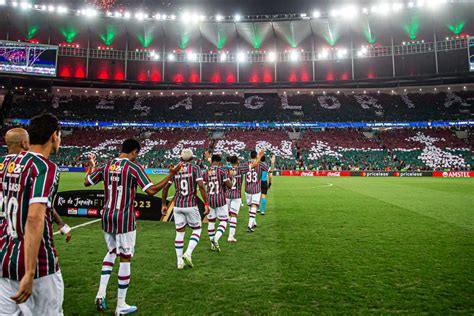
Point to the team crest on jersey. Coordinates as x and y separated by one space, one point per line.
115 169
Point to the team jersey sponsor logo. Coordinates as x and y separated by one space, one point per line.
2 165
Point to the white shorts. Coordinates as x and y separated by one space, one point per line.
187 216
253 198
234 206
222 213
122 244
46 299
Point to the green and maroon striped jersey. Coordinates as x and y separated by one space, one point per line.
185 182
121 177
253 178
236 173
29 178
215 177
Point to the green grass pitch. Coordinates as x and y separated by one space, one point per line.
326 246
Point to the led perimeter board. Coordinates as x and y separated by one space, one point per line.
28 59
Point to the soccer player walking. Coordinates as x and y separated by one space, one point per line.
186 211
31 282
217 180
121 176
253 188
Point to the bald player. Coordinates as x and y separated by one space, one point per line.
18 140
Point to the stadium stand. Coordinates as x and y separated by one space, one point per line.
270 107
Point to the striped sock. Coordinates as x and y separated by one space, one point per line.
179 245
107 266
123 282
211 228
193 241
221 229
252 213
233 226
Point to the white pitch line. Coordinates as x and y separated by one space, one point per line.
81 225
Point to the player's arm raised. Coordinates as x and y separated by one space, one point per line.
93 175
152 190
257 161
33 234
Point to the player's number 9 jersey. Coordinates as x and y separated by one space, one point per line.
185 182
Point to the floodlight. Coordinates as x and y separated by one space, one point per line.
350 12
118 14
241 57
237 18
294 55
316 14
127 15
219 18
272 56
223 57
171 57
140 16
192 56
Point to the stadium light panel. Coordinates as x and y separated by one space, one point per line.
127 15
192 56
202 18
294 55
272 57
118 14
25 5
365 10
90 12
341 53
140 16
172 17
223 57
14 4
323 54
421 3
396 7
411 4
219 18
171 57
350 12
241 57
334 13
237 18
62 10
185 17
107 14
51 8
157 16
3 2
195 18
316 14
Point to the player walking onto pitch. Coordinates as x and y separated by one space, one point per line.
253 188
121 176
186 212
216 179
31 282
18 140
234 194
